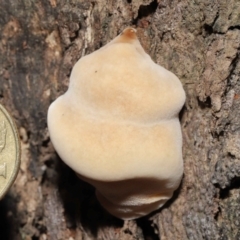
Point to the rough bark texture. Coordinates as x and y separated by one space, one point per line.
40 40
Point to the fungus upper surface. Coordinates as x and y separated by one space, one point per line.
119 118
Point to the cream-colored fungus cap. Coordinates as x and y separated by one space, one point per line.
117 127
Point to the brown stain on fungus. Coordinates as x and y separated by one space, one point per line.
128 35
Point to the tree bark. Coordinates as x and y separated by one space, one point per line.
198 40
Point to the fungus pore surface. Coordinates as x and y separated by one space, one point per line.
117 127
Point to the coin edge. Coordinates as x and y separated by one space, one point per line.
18 150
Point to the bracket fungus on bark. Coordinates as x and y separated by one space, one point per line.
117 127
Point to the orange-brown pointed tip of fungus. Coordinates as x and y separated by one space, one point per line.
128 34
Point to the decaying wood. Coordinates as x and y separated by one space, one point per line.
197 40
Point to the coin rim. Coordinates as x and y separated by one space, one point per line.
18 151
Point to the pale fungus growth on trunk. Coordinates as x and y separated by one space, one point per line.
117 127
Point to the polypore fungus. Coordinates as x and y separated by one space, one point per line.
117 127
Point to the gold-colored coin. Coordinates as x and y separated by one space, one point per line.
9 151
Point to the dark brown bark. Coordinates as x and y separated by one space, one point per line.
197 40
